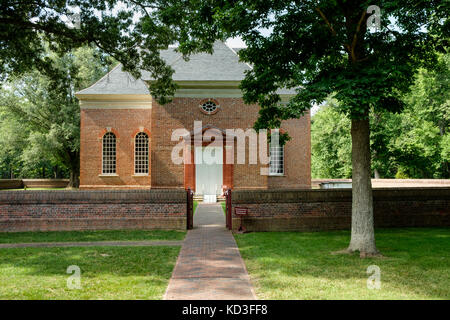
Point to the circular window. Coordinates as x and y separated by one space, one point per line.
209 107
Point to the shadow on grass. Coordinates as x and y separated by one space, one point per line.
295 265
106 272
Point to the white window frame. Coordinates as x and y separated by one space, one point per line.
109 133
148 155
281 160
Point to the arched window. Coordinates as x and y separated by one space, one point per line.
276 153
109 153
141 153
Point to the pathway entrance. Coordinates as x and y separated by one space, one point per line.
209 266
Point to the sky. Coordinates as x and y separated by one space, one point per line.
235 43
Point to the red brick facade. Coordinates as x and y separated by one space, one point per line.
160 121
125 124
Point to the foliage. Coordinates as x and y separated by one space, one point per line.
330 143
13 136
411 144
49 112
129 31
324 47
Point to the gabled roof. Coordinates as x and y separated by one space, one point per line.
221 66
116 82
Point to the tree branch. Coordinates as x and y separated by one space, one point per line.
327 21
355 36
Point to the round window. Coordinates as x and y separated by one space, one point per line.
209 107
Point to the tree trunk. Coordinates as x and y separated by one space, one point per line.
74 181
363 234
376 173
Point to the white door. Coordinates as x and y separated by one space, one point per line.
208 172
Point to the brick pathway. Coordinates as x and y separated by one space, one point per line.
91 244
209 266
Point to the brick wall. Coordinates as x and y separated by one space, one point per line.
125 123
313 210
90 210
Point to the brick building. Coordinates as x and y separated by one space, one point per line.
128 140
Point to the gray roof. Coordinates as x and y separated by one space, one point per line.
222 65
117 82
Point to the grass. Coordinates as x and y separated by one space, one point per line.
195 205
106 235
224 207
106 272
223 204
290 265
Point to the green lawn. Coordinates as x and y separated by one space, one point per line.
107 235
195 206
106 272
224 207
291 265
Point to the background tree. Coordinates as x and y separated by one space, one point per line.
320 47
410 144
50 112
13 136
129 31
331 146
425 130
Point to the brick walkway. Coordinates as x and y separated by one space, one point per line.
91 244
209 266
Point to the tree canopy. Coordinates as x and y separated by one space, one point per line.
317 47
324 47
410 144
40 125
129 31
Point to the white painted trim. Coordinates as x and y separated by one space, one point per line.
116 102
141 130
115 97
208 84
113 107
208 93
122 186
108 129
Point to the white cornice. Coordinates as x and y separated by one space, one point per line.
115 101
114 97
